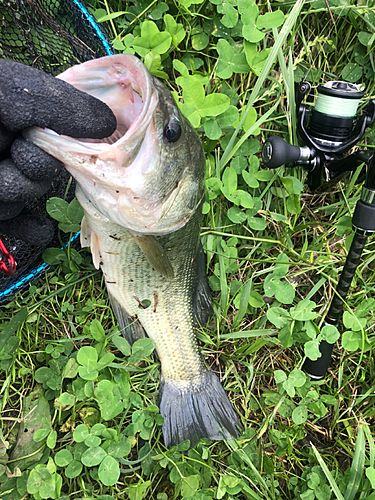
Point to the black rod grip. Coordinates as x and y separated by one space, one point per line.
317 369
352 261
276 152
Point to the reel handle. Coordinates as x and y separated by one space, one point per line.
276 152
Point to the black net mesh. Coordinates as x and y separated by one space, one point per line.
51 35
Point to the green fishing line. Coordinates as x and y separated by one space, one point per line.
336 106
337 98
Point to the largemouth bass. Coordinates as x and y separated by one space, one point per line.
141 191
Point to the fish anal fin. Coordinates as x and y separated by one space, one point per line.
155 254
131 328
200 410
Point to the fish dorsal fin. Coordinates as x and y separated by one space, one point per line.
202 299
155 255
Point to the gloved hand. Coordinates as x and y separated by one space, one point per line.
30 97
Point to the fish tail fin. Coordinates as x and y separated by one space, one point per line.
200 410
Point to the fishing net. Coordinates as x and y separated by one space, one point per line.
51 35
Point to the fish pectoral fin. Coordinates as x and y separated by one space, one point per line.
155 255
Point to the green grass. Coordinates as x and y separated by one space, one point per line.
274 253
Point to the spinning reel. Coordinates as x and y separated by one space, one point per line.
328 132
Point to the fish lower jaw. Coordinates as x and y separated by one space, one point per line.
107 210
142 223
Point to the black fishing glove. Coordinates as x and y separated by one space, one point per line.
30 97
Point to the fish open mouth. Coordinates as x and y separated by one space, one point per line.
124 84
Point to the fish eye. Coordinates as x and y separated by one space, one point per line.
172 131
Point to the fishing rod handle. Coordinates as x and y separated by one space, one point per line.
352 261
318 369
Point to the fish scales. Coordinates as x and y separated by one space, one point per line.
141 190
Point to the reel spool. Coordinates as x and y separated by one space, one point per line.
335 113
